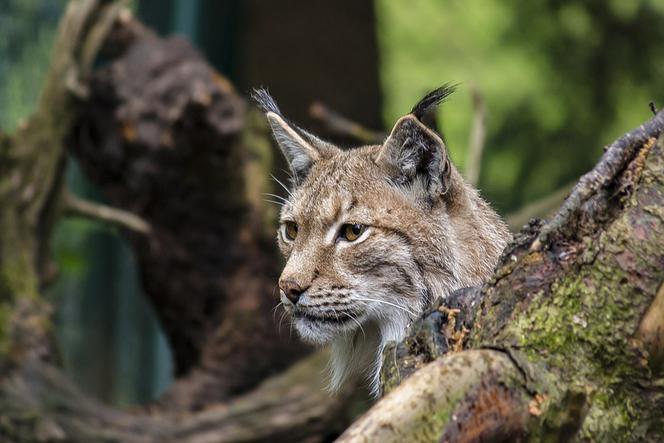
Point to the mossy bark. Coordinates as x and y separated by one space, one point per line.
577 306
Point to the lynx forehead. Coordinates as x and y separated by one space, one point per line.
372 235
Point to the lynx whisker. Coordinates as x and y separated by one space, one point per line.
287 172
278 197
281 319
359 325
403 308
291 324
282 185
274 310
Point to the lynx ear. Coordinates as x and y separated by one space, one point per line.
298 152
297 145
412 151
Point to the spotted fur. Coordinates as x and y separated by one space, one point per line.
428 233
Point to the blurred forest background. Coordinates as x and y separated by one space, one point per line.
559 79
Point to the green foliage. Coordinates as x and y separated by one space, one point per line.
560 78
27 28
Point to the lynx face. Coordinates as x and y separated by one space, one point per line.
373 234
350 254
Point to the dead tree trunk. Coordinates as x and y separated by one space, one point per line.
168 139
566 340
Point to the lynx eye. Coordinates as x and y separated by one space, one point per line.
289 229
352 232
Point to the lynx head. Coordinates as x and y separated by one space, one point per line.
372 234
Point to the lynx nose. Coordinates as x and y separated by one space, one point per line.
292 290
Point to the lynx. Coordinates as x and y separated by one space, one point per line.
372 235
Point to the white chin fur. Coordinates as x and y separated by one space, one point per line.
355 351
361 353
314 332
322 333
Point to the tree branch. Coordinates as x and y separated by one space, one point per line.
75 206
287 407
477 138
344 127
614 160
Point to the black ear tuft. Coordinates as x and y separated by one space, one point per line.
265 101
432 99
300 148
